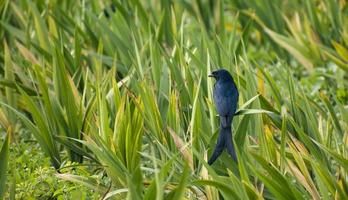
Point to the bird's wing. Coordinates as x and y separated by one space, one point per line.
225 101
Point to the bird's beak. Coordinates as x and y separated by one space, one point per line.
211 75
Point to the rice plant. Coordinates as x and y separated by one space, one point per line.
125 96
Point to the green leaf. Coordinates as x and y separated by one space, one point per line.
274 180
225 189
4 156
40 26
298 51
332 113
179 191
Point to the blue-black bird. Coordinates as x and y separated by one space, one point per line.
226 99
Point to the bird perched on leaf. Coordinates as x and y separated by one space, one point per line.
226 99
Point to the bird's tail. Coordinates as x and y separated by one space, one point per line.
229 143
224 141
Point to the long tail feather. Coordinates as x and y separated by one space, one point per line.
224 141
229 144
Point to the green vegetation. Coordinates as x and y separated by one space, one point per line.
98 108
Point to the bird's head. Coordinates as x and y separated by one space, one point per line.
221 75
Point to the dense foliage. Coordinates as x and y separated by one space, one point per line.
112 100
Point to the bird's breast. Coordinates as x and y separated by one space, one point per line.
225 98
225 89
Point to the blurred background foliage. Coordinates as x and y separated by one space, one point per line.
114 95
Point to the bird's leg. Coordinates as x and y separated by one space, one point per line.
218 149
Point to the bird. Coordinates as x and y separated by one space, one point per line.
225 94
